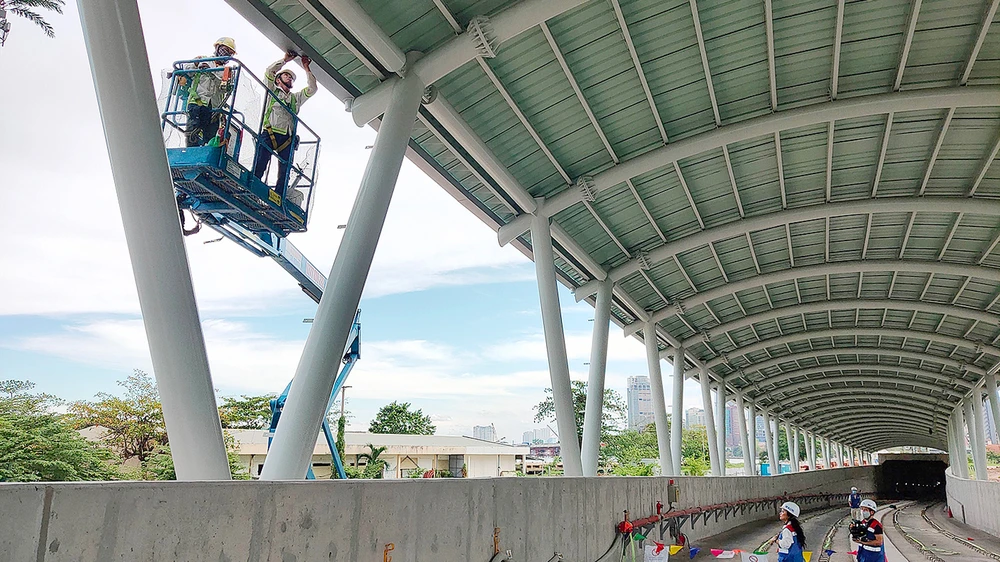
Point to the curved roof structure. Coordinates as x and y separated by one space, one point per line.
802 195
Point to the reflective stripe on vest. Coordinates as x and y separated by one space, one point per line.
292 104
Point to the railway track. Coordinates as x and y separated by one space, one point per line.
925 542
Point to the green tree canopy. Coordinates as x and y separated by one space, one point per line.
134 421
398 418
612 414
159 465
246 412
27 10
37 445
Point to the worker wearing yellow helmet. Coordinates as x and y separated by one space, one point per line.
207 92
277 134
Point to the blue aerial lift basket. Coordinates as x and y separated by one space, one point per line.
215 182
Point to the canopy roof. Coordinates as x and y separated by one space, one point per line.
803 195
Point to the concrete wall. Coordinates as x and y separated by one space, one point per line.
975 502
426 519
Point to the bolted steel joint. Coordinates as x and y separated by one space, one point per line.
430 94
644 262
484 40
586 186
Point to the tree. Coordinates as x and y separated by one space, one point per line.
36 445
246 412
26 9
133 422
159 465
397 418
374 466
612 414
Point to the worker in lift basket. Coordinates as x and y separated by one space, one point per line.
854 500
278 130
870 546
207 91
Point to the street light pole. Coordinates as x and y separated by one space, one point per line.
343 398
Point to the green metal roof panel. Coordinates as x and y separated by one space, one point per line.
736 43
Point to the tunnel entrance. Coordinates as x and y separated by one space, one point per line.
916 479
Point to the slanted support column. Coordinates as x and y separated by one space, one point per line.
953 456
979 453
775 431
656 395
795 449
555 340
789 439
117 51
970 428
720 425
710 427
850 456
811 449
826 452
751 442
677 406
295 437
595 382
741 421
769 439
960 463
994 399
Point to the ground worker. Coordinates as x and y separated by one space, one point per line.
854 500
277 133
791 540
870 546
206 92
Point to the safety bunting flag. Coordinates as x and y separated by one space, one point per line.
658 552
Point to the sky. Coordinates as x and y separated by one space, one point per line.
450 319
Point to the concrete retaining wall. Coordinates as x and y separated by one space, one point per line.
426 519
975 502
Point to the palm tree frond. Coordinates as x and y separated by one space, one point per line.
32 16
54 5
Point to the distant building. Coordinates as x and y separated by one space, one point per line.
732 426
403 454
542 435
640 402
485 432
760 429
693 417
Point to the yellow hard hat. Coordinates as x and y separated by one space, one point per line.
227 41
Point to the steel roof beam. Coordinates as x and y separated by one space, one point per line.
835 414
837 38
865 369
638 68
942 132
762 345
985 167
907 42
818 384
848 304
803 214
878 104
704 60
984 27
731 288
925 403
459 50
855 350
772 80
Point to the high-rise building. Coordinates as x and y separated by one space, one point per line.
732 425
640 402
693 417
761 436
542 435
485 432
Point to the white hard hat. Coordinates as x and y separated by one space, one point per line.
853 489
284 71
870 504
792 508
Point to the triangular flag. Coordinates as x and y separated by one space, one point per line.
807 556
694 551
723 553
638 537
829 551
658 547
675 548
853 552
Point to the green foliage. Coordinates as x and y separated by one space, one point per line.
159 465
25 9
416 473
134 422
246 412
633 470
375 466
630 447
992 459
36 445
612 414
397 418
340 442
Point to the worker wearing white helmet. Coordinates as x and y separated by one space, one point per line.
207 92
277 134
870 546
791 540
854 500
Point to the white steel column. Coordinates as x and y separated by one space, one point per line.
677 406
979 453
811 449
789 438
659 403
720 425
775 432
991 395
826 452
953 455
970 427
769 439
295 437
795 449
120 68
710 428
593 415
850 456
741 420
961 462
555 341
751 443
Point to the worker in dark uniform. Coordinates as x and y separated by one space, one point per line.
854 500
